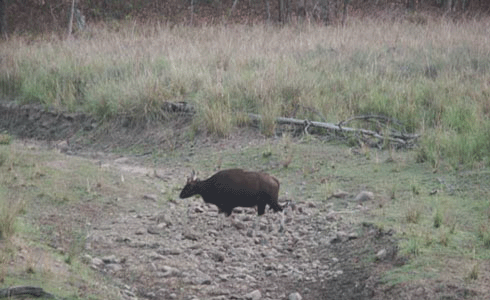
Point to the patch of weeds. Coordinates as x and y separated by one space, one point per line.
267 153
444 238
473 275
413 247
438 219
10 208
393 191
484 233
328 188
415 188
5 139
75 247
3 158
450 222
215 114
270 110
412 214
428 238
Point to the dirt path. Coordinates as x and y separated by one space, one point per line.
182 249
156 246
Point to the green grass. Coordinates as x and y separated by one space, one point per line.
432 77
43 198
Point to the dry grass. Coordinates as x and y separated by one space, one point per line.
432 77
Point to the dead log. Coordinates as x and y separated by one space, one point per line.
25 291
403 139
398 138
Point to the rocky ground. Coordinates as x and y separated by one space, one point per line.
183 249
156 246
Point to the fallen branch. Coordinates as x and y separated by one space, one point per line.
369 117
24 290
399 138
396 137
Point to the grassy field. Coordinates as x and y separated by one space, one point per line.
43 222
434 77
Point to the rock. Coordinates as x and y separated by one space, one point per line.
381 254
339 237
97 262
155 256
167 271
114 267
110 259
63 146
86 259
154 229
212 232
201 278
123 239
246 218
145 245
255 295
217 256
162 218
121 160
352 236
151 197
364 196
141 231
340 194
169 252
198 209
333 216
295 296
239 225
128 293
420 292
191 236
238 210
223 277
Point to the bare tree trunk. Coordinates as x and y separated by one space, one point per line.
3 18
301 9
70 22
288 10
268 10
411 5
192 12
281 11
233 7
344 13
325 10
449 4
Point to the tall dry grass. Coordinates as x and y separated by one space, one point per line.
434 77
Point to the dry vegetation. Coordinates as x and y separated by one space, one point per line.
432 77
